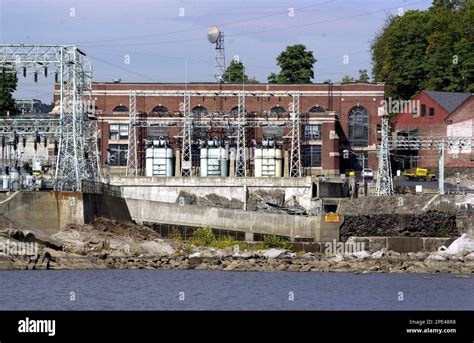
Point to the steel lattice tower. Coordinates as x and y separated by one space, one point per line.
241 158
186 157
74 75
132 160
384 186
295 158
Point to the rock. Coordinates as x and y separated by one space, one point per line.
157 248
436 256
305 268
374 269
378 254
273 253
469 257
462 246
361 255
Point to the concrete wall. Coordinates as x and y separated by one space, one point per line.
50 212
167 189
46 211
403 244
105 206
229 219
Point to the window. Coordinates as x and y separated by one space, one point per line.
316 109
359 127
423 110
277 110
199 110
118 154
431 111
120 108
160 109
312 132
118 131
311 155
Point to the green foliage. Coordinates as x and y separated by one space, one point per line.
363 76
296 64
175 235
203 236
272 241
432 49
347 79
235 73
8 82
224 242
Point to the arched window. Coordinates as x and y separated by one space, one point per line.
235 110
160 109
277 110
359 126
120 108
199 110
316 109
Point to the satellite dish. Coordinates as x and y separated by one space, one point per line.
213 34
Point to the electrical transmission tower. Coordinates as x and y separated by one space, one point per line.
295 158
132 160
76 159
186 157
241 158
384 185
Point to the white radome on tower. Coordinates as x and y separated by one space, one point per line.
213 34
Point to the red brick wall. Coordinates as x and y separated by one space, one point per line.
341 104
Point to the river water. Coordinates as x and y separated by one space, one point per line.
218 290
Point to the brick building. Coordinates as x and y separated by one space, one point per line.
437 114
333 117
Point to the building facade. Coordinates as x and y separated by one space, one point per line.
437 114
334 117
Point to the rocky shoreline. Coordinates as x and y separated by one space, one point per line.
112 245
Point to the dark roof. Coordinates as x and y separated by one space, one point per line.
448 100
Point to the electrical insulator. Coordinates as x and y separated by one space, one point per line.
3 142
45 142
38 139
55 148
36 146
56 77
24 142
24 71
36 77
45 71
86 155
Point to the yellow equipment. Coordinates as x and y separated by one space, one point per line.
419 174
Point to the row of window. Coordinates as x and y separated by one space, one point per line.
197 109
310 132
311 155
358 129
423 111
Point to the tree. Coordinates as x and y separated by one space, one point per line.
363 76
347 79
235 73
8 82
296 64
432 49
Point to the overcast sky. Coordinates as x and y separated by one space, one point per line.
156 37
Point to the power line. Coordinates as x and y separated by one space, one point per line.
202 27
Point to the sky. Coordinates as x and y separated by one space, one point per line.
166 41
